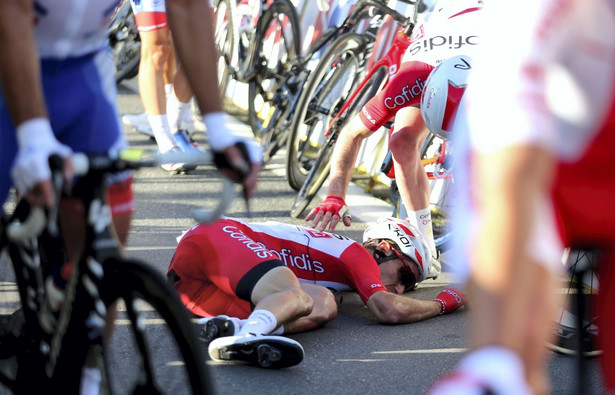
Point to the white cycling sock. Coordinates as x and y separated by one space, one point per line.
188 118
162 132
260 322
279 331
90 381
422 220
176 111
168 88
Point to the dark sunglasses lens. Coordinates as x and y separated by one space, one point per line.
408 279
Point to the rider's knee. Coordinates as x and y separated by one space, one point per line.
405 145
304 304
327 310
156 52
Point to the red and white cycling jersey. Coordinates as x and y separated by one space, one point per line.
210 260
450 29
550 84
558 80
558 75
85 33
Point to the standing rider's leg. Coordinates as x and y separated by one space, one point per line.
406 142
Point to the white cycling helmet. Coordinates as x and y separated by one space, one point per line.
443 92
407 238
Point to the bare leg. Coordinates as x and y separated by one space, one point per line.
406 142
279 292
506 311
325 310
155 52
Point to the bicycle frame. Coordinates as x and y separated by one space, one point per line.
438 159
246 74
52 356
391 61
57 357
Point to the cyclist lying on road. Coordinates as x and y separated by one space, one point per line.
286 272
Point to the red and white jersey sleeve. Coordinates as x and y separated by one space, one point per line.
548 81
333 261
71 28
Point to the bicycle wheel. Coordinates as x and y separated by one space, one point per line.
326 91
125 43
438 159
225 38
315 178
581 267
153 333
329 91
276 46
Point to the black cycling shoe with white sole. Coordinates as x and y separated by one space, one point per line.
270 352
215 327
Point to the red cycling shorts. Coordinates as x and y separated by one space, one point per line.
403 90
215 268
150 15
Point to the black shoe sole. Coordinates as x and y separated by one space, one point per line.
215 328
268 354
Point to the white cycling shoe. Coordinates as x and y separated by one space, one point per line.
435 269
270 352
177 168
139 123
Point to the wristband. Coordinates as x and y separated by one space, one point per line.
442 306
219 135
35 131
450 300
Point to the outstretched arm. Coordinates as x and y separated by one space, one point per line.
390 308
333 209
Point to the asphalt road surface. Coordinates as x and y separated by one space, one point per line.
351 355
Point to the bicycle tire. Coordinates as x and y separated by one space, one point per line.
441 198
126 51
310 116
226 41
566 339
319 171
148 298
271 63
314 180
